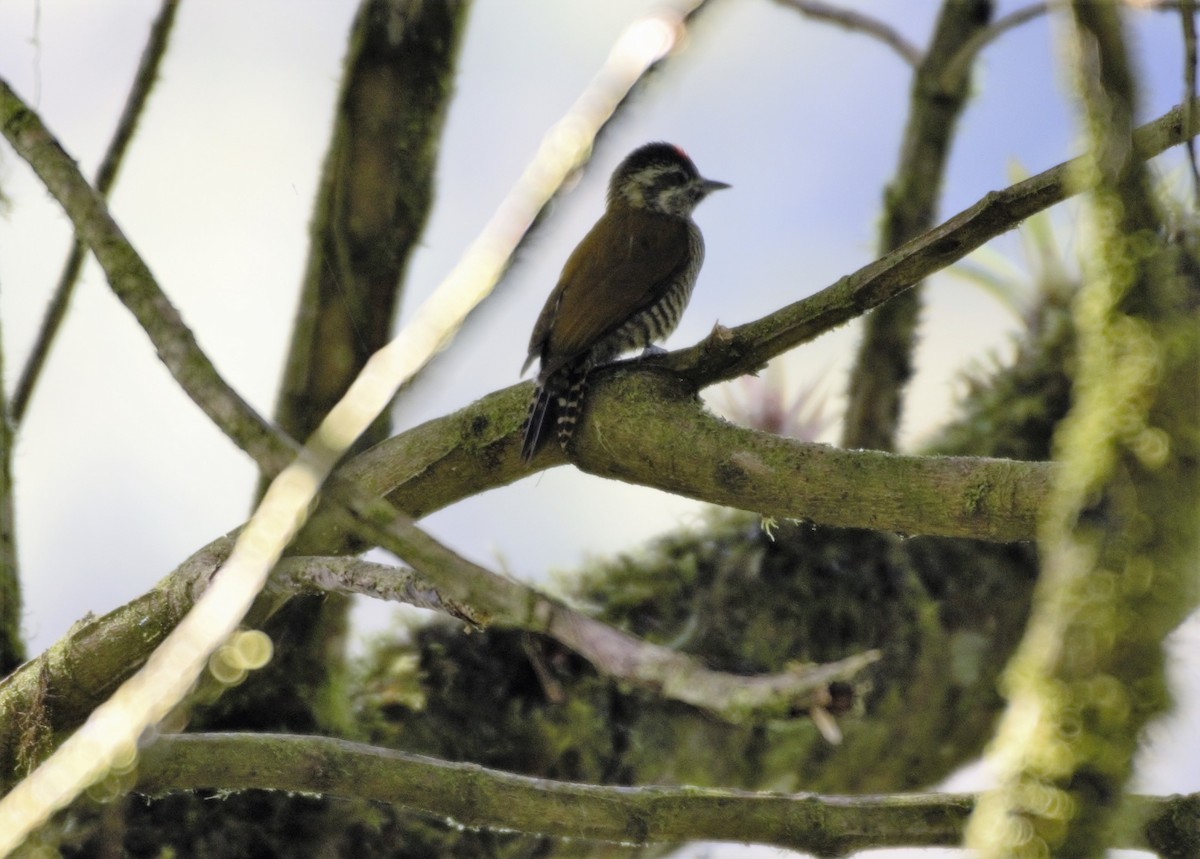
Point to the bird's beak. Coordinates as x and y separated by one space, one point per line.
711 185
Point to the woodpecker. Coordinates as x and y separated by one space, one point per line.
622 288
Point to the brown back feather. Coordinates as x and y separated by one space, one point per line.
599 290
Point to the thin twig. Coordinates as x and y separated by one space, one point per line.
859 23
1015 19
971 47
135 103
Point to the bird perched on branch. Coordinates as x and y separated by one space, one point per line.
623 287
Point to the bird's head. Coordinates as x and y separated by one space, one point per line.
660 177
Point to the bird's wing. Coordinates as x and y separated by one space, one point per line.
602 287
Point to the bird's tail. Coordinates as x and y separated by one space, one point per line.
555 403
541 408
568 404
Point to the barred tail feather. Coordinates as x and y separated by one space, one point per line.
555 403
536 420
569 401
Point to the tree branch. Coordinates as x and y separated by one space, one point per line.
351 576
98 654
643 426
473 593
1119 541
472 450
615 654
134 285
12 646
106 175
474 796
970 49
859 23
729 353
53 693
884 361
647 428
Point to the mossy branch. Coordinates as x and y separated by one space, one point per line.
12 647
647 428
98 654
475 796
1119 541
615 654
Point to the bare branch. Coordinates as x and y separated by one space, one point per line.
332 574
970 49
475 796
134 285
480 596
729 353
135 103
859 23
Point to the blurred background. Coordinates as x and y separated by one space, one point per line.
119 476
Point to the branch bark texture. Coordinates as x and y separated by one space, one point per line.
475 796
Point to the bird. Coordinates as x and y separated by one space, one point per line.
623 287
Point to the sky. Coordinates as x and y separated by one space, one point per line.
802 119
